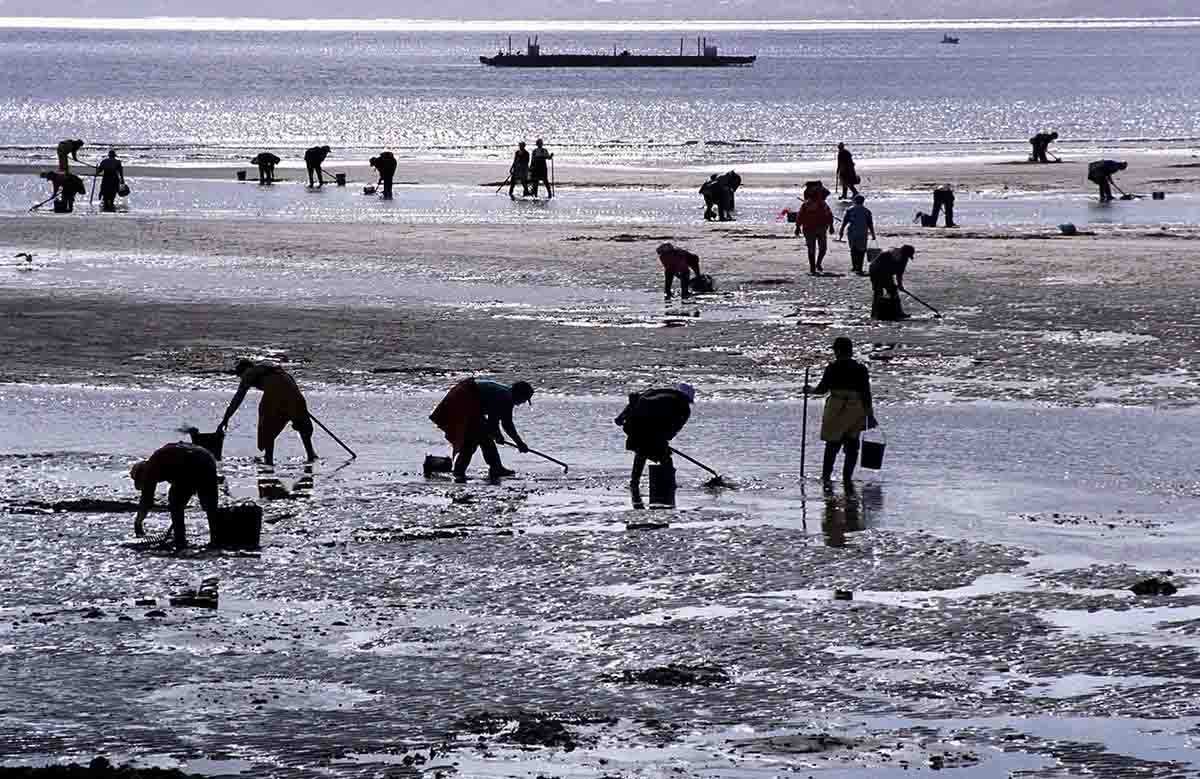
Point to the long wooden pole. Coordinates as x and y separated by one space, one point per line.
804 431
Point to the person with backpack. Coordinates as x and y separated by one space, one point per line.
815 221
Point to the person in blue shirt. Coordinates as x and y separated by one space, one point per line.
860 224
475 414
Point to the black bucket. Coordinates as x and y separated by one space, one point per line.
704 284
236 527
871 457
213 442
368 190
435 464
123 191
662 485
340 178
241 175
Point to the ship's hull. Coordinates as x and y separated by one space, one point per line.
610 61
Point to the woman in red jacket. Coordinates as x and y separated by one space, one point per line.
815 220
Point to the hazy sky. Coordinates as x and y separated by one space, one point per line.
607 9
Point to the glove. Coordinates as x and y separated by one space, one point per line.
522 448
872 422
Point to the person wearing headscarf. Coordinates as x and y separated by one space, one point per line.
282 403
848 409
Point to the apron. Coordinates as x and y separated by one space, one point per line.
845 416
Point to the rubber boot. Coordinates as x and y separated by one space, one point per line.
831 451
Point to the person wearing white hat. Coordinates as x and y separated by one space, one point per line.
650 420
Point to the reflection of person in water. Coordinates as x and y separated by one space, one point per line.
849 514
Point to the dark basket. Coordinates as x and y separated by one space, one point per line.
123 191
434 464
213 442
236 527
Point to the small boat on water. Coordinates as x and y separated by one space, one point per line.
706 56
948 38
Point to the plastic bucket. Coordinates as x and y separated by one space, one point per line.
213 442
435 464
662 485
236 527
241 175
340 178
871 456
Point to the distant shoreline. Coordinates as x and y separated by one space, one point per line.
255 24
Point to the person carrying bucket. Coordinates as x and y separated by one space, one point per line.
190 470
472 415
282 402
112 179
650 420
848 410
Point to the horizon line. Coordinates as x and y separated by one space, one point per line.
363 24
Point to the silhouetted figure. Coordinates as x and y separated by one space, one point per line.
842 516
1101 174
266 162
857 225
518 172
650 420
848 410
847 176
677 262
887 279
67 187
815 221
385 163
1041 144
68 150
472 415
190 470
943 197
282 403
719 193
539 169
112 180
314 158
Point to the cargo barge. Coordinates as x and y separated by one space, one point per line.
706 56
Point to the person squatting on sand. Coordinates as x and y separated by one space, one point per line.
314 158
472 415
266 162
887 279
677 262
650 420
1101 174
282 402
943 197
518 172
858 223
846 175
190 470
848 409
112 180
815 220
385 163
539 170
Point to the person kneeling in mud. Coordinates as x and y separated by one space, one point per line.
472 415
282 402
650 420
887 281
848 410
677 262
190 470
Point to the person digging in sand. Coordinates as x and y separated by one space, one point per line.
848 410
314 158
191 471
887 281
472 415
650 420
1101 174
282 402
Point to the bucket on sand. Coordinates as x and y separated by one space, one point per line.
1158 195
662 485
340 178
368 190
236 527
434 464
872 451
703 284
241 175
213 442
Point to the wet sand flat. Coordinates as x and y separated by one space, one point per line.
1039 464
